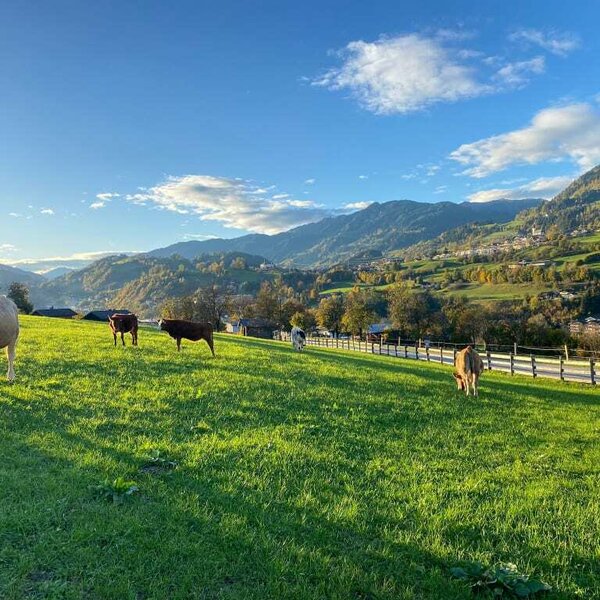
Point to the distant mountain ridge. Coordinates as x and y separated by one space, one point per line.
574 210
379 227
9 275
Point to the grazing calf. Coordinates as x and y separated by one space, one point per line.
9 332
123 324
188 330
468 368
298 338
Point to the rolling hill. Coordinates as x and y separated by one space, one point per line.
9 275
378 228
142 282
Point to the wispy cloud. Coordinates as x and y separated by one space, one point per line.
7 247
556 42
310 181
403 74
353 206
519 73
199 236
543 187
569 132
363 177
236 203
47 211
413 71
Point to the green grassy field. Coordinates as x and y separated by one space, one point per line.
318 475
499 291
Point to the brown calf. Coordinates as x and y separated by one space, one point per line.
123 324
468 368
188 330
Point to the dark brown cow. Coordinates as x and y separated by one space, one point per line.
188 330
468 367
124 324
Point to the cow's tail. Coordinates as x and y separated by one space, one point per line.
470 361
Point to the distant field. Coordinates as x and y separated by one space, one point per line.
343 287
305 476
500 291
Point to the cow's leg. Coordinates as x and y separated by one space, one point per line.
122 338
115 338
11 352
178 344
467 384
133 338
475 382
211 345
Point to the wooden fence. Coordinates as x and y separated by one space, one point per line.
579 370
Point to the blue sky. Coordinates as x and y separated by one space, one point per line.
129 126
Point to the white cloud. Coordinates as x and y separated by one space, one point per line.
82 256
47 211
559 43
234 202
7 249
199 236
97 205
310 181
403 74
77 260
352 206
15 215
280 196
440 189
544 187
518 73
363 177
569 132
107 195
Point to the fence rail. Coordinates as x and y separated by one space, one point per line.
581 371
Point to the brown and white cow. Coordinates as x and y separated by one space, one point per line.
467 369
120 323
188 330
9 332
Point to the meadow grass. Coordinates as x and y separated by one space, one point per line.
326 474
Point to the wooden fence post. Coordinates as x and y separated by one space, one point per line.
405 351
427 354
454 357
592 372
441 355
489 360
533 367
512 363
561 368
416 352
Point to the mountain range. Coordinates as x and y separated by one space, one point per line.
380 228
391 228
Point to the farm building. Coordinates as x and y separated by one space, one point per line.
587 326
58 313
381 332
260 328
103 315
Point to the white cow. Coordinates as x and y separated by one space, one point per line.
9 332
298 338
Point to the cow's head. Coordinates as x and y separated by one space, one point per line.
160 324
459 381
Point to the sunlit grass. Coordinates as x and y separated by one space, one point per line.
317 475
